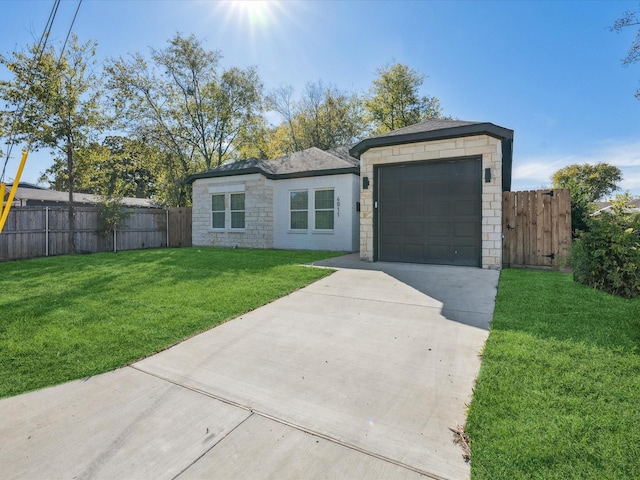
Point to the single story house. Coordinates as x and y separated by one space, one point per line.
29 195
306 200
427 193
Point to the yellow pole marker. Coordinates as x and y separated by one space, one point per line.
2 189
12 194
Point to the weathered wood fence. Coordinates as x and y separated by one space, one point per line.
43 231
536 227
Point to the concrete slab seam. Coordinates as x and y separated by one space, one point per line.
372 300
196 390
211 448
349 446
289 424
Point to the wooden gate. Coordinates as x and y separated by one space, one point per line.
179 227
536 227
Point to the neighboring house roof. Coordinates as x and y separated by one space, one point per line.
633 206
440 130
307 163
30 194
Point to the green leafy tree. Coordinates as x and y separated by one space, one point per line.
112 213
118 166
394 100
54 101
630 19
588 184
186 105
324 117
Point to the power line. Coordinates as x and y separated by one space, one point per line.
40 48
64 45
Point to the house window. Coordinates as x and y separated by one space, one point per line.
237 210
324 209
217 211
299 206
228 211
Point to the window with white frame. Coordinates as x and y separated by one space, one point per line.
299 208
217 211
324 209
227 210
237 210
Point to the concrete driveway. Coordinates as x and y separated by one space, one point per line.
358 375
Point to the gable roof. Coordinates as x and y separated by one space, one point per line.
307 163
442 129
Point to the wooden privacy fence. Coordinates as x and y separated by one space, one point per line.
43 231
179 227
536 227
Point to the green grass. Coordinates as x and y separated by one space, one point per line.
63 318
558 394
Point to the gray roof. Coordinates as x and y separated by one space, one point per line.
343 153
32 194
307 163
632 206
427 126
442 129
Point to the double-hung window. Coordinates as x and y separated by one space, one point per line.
299 207
237 210
323 209
228 211
217 211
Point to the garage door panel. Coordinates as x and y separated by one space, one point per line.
439 229
413 210
414 229
465 207
437 189
414 251
460 254
411 190
437 253
430 212
438 208
465 230
393 192
393 211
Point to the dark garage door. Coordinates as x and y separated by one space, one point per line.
431 212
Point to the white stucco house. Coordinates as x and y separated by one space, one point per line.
427 193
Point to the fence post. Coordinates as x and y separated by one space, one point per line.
167 210
46 235
115 239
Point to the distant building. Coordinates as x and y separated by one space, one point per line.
29 195
633 206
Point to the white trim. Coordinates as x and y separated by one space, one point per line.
299 230
227 188
315 210
227 211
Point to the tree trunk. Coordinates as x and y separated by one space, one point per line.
72 212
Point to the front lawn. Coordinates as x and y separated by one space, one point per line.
63 318
558 394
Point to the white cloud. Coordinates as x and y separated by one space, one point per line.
533 172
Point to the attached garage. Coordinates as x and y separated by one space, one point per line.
432 193
430 212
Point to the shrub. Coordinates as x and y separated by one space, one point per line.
112 213
607 255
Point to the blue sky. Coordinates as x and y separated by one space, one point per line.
549 70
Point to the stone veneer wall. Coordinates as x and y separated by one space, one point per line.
491 150
258 232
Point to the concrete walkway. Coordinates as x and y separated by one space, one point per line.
358 375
